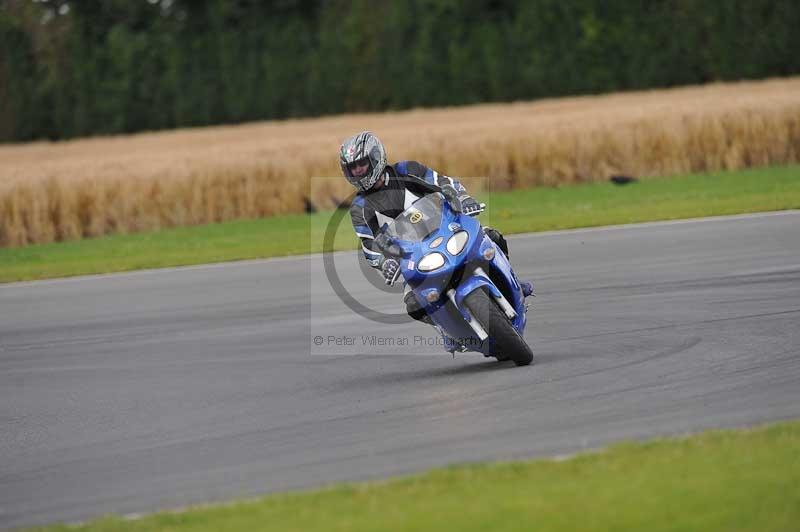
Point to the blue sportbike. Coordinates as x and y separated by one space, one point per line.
461 277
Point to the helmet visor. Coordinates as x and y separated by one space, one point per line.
360 167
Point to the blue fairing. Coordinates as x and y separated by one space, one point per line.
455 324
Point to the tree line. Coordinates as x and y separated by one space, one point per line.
73 68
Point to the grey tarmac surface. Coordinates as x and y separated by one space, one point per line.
150 390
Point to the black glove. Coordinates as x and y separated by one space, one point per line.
463 203
469 206
391 271
451 194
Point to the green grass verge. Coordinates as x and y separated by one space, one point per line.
716 481
537 209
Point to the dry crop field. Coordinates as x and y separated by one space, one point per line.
91 187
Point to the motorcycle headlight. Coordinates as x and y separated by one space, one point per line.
430 262
456 243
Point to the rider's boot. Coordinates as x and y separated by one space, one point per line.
417 312
451 345
527 288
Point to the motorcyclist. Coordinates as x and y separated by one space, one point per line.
385 191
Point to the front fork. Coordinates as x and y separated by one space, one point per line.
477 284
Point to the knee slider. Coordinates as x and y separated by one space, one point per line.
414 309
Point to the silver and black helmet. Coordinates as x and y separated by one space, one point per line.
364 149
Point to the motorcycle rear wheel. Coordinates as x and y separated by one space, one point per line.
507 344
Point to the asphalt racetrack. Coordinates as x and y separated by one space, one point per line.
136 392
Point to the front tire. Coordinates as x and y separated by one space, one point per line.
506 343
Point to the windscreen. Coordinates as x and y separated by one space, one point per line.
419 220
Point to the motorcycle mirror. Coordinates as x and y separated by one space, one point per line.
394 250
389 246
383 241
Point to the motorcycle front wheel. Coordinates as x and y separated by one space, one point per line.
505 342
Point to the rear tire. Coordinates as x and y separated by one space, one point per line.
507 342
